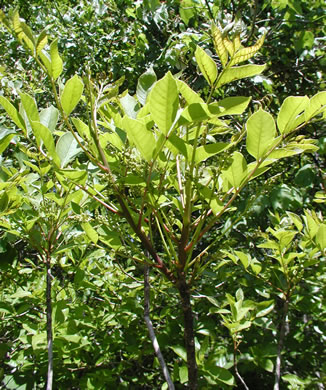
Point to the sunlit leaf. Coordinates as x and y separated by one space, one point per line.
71 94
219 45
164 102
289 116
56 61
239 72
261 131
247 52
206 65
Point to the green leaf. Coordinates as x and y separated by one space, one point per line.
43 133
90 232
67 148
239 72
189 95
5 141
45 58
294 380
49 117
145 84
220 374
71 94
183 374
181 352
138 134
39 341
230 106
74 175
130 105
195 112
164 103
296 220
41 42
261 131
71 338
82 128
206 65
30 107
177 145
187 10
264 308
238 171
56 61
110 238
244 258
317 105
206 151
288 117
13 113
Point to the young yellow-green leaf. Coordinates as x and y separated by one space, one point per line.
164 102
24 33
316 105
321 236
41 132
229 45
138 134
56 61
41 42
239 72
289 116
261 131
206 65
219 45
30 107
247 52
13 113
71 94
189 95
238 170
90 232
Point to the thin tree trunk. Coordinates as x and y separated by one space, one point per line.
189 334
49 323
280 346
151 331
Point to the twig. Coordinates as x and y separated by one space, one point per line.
209 10
150 328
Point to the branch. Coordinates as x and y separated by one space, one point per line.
280 345
151 331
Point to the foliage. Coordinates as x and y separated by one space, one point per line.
174 177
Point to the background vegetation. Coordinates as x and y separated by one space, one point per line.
246 298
